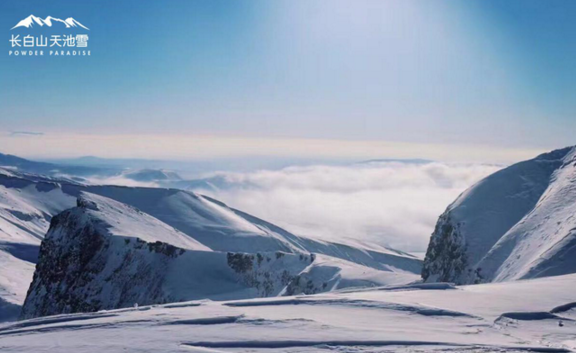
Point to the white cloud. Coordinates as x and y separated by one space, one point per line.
395 204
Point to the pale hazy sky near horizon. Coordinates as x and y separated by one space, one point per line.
193 147
480 80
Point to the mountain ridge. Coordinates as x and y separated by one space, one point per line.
477 236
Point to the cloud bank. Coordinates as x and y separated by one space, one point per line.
389 203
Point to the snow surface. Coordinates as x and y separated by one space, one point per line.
543 243
124 220
15 275
26 207
531 315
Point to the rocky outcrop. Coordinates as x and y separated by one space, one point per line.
75 271
446 257
262 271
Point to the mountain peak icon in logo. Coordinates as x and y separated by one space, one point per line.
33 21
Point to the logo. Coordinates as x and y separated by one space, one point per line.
58 37
32 21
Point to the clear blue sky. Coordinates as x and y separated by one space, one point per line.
497 73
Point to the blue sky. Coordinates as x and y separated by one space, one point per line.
473 73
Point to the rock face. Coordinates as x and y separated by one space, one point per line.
517 223
446 258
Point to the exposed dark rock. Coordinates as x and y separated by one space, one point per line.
241 263
446 257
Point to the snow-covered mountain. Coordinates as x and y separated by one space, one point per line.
28 202
103 254
517 223
34 21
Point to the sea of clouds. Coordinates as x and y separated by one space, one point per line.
392 204
388 203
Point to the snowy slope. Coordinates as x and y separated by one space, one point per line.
26 207
327 273
15 276
124 220
544 242
514 224
103 255
515 316
222 228
208 221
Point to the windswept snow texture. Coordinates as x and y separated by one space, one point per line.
517 223
103 254
521 316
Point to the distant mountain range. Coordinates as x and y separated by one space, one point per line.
52 169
